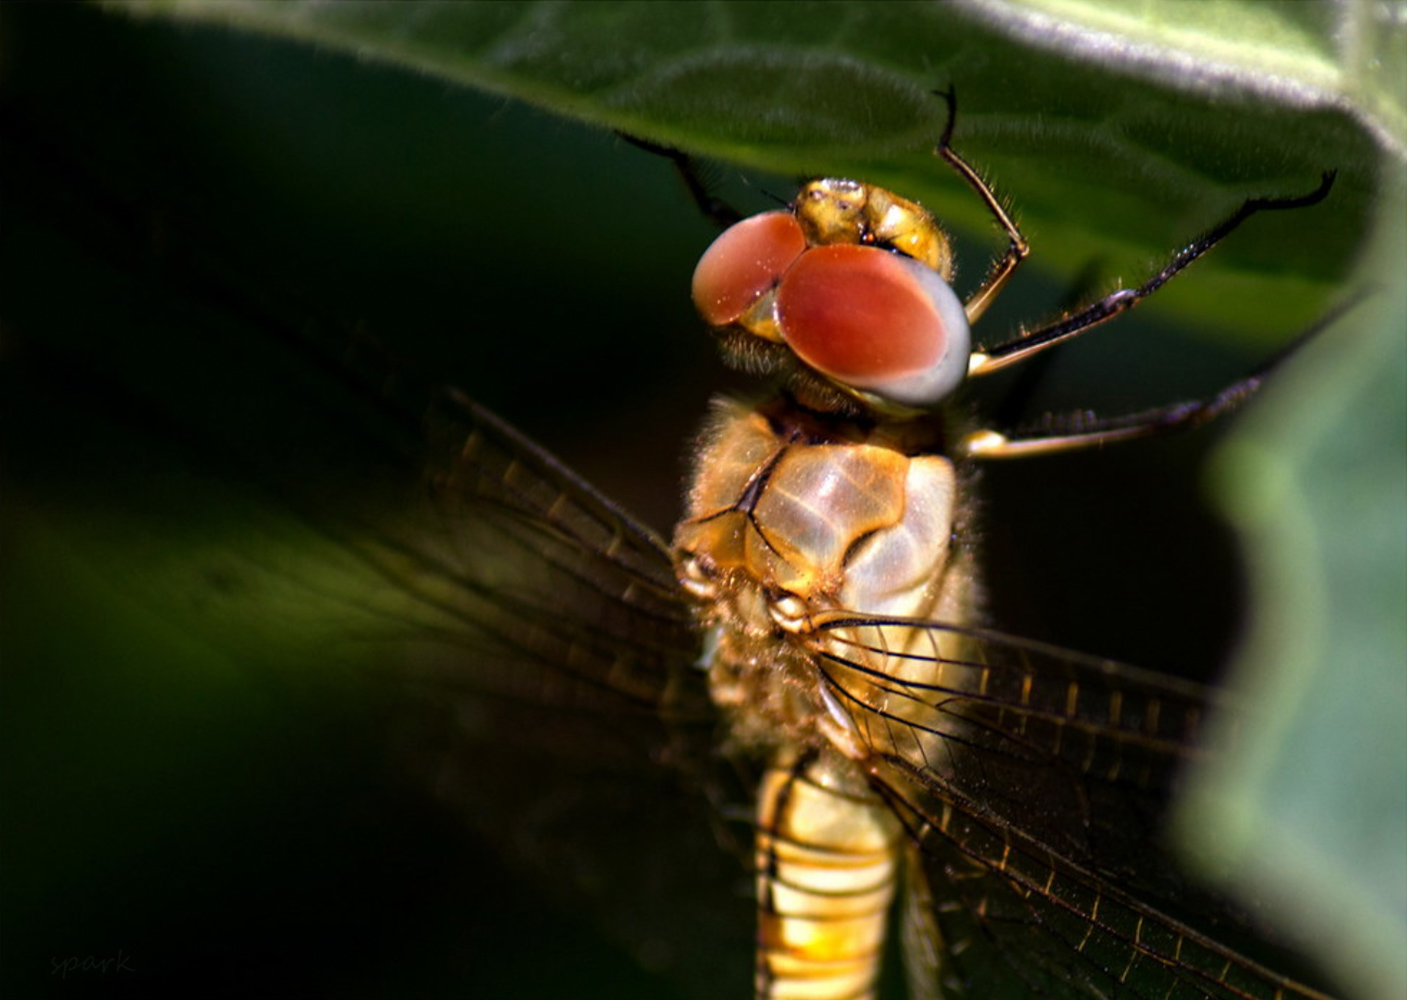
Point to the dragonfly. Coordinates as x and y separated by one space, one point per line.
1005 796
808 646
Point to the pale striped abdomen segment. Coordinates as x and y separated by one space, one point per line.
827 862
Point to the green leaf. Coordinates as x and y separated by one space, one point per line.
1156 110
1310 814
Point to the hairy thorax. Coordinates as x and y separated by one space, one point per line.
796 521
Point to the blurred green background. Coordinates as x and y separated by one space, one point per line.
190 779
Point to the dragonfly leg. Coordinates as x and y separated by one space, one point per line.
1083 429
1030 342
689 170
1017 248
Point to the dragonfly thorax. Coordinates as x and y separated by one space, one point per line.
795 520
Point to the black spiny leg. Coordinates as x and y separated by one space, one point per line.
1030 342
722 213
1087 430
1017 248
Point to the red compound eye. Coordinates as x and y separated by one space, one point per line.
876 321
744 263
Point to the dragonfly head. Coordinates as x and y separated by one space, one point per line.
848 286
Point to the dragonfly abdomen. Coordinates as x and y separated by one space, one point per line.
827 861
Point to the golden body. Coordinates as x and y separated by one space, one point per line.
795 518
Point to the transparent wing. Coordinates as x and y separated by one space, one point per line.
290 494
1032 782
517 556
560 706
